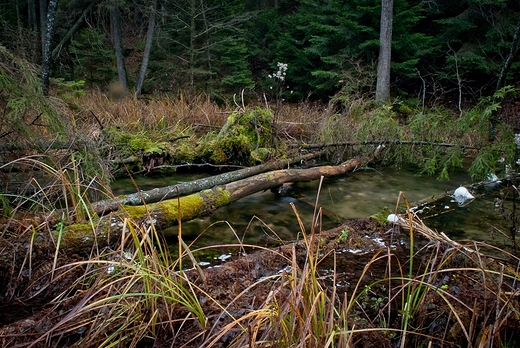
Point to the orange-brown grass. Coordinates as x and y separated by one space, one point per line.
133 114
295 122
442 293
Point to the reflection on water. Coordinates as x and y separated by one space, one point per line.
264 217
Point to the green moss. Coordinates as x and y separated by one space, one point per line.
257 126
190 206
232 148
142 142
218 155
78 233
218 196
382 215
185 152
262 154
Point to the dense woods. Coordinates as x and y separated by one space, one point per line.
441 50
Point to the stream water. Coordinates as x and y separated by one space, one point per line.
265 218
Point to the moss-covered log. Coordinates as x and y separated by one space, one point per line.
182 189
83 239
167 212
80 237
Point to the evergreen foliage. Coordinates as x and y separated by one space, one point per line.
92 60
446 50
444 53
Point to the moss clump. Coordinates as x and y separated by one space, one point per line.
257 127
142 142
184 152
76 234
262 154
241 134
218 196
168 210
233 148
191 206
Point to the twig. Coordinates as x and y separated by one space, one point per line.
33 123
97 119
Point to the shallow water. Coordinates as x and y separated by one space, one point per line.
265 218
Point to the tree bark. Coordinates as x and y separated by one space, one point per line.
31 15
510 57
147 49
43 21
49 33
118 46
192 41
385 52
73 30
169 212
158 194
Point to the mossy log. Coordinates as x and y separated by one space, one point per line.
82 239
168 212
183 189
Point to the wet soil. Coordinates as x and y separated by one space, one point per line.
28 311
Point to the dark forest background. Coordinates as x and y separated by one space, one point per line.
445 52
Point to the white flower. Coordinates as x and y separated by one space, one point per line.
282 68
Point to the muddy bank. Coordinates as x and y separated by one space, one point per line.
460 294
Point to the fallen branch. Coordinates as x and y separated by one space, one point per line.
182 189
381 142
80 238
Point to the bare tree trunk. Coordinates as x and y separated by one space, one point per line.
33 28
118 46
385 52
43 21
31 15
203 9
192 41
73 30
510 57
147 49
46 59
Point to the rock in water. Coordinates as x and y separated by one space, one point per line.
462 195
392 218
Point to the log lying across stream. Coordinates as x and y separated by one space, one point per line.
80 237
183 189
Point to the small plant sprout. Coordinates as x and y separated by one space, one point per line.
344 235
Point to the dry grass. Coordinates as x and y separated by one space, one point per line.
132 293
440 294
298 122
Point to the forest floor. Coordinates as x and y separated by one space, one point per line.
363 266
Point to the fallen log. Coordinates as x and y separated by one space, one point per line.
183 189
80 238
380 142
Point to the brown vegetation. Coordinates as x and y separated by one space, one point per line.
340 288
